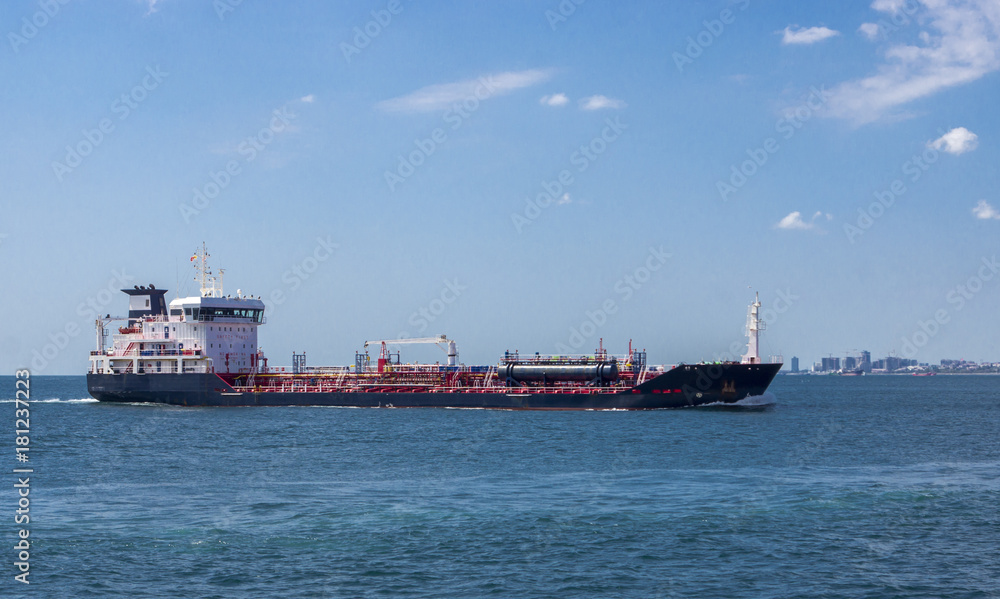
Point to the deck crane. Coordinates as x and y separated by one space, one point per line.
442 341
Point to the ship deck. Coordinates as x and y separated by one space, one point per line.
402 380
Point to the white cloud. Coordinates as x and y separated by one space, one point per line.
152 6
443 95
565 199
984 211
555 100
957 141
804 35
308 99
960 45
794 221
869 30
599 102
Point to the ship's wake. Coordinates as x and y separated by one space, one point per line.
55 400
751 402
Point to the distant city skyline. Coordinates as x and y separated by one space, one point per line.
862 362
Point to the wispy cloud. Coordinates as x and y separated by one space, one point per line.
802 35
600 102
957 141
565 199
554 100
441 96
308 99
960 45
985 211
869 30
151 4
794 221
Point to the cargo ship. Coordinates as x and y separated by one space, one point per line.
203 351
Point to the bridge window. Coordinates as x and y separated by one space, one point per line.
207 314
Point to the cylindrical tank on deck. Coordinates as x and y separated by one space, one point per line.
452 354
559 373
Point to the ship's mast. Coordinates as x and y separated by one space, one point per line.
204 275
100 334
754 326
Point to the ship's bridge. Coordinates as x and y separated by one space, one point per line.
217 309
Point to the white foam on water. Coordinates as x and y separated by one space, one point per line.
751 401
768 399
55 400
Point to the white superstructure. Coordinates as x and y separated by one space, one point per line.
207 333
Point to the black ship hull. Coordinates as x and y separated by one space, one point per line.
682 386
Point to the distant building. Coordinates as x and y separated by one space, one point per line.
955 363
866 361
850 363
795 364
830 364
893 363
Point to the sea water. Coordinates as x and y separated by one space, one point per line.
879 486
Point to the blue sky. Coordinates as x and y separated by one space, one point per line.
518 175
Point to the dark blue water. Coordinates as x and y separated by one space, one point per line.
847 487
